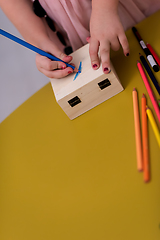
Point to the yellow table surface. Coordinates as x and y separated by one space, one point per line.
74 180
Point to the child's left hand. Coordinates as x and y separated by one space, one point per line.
106 31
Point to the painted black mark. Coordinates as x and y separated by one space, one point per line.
74 101
103 84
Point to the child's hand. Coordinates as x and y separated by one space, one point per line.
106 31
53 69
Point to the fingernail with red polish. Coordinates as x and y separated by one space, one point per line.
106 69
94 65
69 72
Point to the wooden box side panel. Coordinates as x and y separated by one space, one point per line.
90 96
83 79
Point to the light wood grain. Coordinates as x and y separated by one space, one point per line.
85 87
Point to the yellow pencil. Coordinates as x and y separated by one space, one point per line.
137 130
154 125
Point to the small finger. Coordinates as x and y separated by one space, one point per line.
59 73
125 45
105 56
88 39
46 63
115 45
93 51
54 50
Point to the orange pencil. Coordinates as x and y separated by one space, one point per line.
145 141
137 130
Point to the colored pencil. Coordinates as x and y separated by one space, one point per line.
151 95
137 130
146 50
34 49
154 125
149 71
145 141
153 53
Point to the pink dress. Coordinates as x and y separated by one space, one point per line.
72 16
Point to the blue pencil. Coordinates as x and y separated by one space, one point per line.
33 48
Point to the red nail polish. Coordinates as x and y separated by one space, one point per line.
94 65
69 72
106 69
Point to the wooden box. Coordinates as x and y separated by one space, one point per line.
89 89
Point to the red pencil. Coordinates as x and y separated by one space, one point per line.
145 141
153 53
149 90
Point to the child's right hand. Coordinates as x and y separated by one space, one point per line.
35 31
53 69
